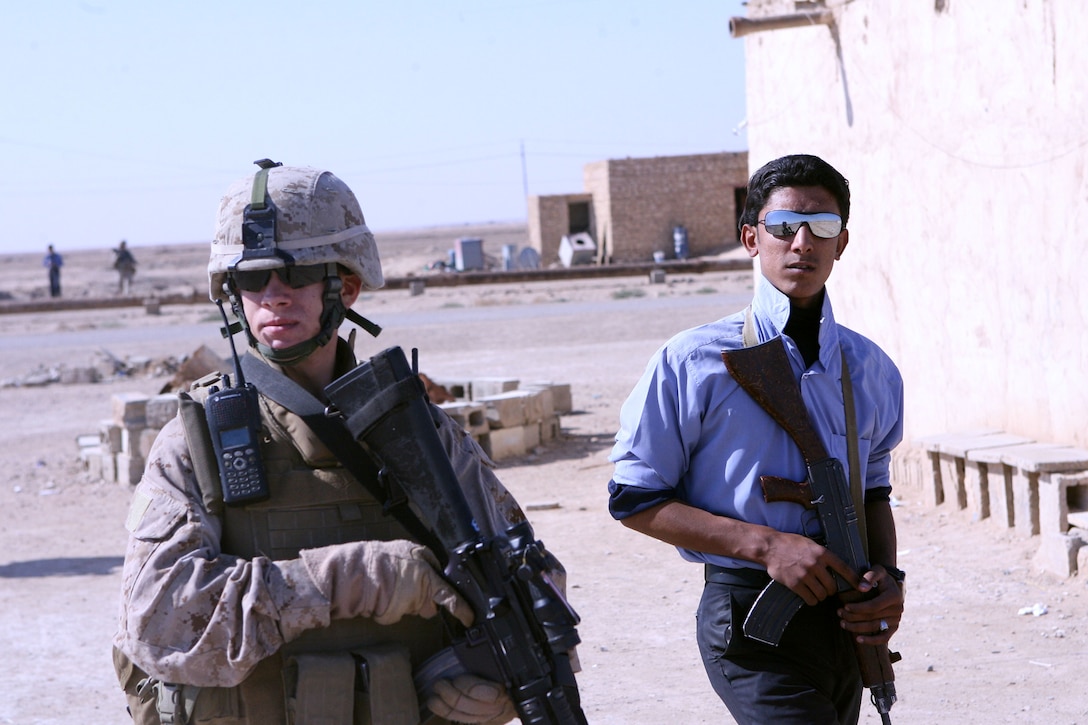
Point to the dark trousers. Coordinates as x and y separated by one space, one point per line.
54 282
810 678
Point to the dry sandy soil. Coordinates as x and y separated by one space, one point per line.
969 656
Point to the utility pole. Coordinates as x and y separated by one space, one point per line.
524 180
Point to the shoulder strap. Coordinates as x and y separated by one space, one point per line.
751 338
333 434
856 491
201 452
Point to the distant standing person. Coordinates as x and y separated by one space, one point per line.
53 262
125 264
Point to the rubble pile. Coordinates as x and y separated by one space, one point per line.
108 367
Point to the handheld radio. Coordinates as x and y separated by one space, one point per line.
234 422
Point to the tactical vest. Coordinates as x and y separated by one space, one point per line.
314 502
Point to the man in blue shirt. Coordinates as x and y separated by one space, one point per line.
53 262
692 446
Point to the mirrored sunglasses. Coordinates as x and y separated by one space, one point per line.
782 223
294 277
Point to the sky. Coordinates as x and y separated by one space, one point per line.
128 119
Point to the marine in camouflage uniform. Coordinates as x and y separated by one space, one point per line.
267 612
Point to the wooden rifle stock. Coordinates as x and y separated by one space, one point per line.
765 373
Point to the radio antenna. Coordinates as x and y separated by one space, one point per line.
233 350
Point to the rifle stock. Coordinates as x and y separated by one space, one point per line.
524 628
765 373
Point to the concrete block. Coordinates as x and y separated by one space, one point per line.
1062 494
93 462
130 440
130 409
507 443
484 440
1082 559
460 389
130 468
531 436
109 467
657 276
1058 553
110 435
470 416
535 404
87 452
486 387
545 400
561 399
505 410
88 441
416 287
161 409
549 429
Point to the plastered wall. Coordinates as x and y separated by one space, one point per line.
963 129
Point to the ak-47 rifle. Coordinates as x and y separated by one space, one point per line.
765 373
524 628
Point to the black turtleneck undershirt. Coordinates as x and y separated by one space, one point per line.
803 327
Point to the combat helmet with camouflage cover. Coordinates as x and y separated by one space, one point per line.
284 216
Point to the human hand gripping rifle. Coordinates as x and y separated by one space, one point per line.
523 628
765 373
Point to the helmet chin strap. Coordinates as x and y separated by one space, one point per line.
333 314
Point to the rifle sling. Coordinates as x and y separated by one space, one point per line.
336 437
751 338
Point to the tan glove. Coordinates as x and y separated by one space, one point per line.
383 580
469 699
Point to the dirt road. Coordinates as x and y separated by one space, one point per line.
969 656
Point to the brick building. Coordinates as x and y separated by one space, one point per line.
631 206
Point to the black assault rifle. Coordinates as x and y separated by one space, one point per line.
524 627
765 373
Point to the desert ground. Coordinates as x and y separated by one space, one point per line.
973 651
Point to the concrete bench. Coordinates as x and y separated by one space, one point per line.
1013 473
952 479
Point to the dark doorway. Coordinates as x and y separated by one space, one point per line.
578 213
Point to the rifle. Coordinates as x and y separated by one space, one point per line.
765 373
524 628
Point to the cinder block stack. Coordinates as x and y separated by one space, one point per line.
119 452
507 420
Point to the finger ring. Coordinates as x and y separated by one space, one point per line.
883 626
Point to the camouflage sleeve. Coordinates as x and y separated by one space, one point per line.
189 613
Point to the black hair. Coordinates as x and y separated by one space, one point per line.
794 170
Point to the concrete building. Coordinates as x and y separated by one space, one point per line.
961 129
631 206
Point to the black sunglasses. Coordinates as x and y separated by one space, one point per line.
294 277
